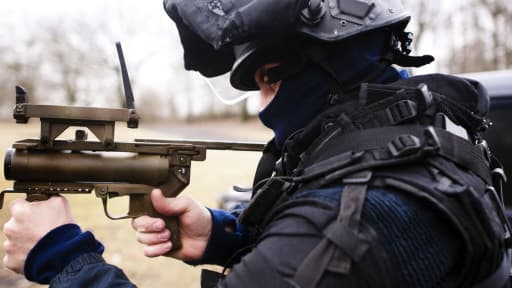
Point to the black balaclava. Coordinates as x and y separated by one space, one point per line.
302 96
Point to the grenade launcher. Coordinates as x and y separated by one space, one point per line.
47 166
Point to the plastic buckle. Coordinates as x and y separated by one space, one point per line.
498 178
432 143
484 147
401 111
404 145
427 96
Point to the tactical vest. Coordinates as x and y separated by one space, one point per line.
419 136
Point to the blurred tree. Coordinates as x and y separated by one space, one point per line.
500 13
479 32
244 111
18 69
426 17
4 85
84 62
67 57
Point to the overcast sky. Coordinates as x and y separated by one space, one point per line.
149 38
151 42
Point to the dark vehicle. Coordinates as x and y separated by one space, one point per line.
499 137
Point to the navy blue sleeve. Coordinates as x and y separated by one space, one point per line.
90 270
227 239
68 257
56 250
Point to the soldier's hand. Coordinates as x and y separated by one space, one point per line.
29 222
194 221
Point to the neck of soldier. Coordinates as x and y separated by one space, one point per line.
303 97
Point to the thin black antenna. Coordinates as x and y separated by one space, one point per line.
128 93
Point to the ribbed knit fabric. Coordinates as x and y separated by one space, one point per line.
420 241
419 238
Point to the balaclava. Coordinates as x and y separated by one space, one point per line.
302 96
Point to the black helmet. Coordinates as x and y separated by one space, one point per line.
321 20
249 29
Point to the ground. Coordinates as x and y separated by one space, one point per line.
217 174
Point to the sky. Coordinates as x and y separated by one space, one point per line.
30 11
149 38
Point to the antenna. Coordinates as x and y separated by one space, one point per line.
128 93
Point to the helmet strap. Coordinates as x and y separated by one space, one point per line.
318 55
401 48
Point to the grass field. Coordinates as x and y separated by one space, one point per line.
218 173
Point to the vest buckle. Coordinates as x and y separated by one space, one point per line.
404 145
401 111
433 144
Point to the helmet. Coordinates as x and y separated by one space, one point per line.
253 30
321 20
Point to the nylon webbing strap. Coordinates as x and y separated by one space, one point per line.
266 164
319 56
342 243
311 270
378 141
463 153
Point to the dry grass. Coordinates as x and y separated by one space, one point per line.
209 178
